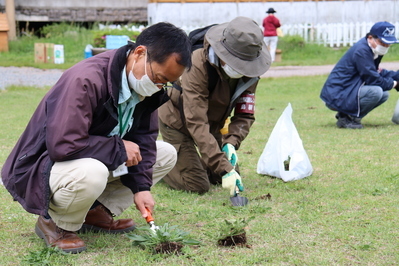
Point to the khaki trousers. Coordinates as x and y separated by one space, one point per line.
75 185
190 172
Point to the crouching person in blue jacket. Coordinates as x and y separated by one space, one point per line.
356 85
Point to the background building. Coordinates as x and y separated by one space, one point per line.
31 13
333 23
193 13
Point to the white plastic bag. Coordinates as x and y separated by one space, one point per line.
284 150
395 116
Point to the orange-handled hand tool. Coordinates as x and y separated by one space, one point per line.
150 220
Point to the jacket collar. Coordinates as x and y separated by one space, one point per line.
117 65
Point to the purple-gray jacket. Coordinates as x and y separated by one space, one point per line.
73 121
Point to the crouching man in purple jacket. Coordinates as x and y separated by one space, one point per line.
90 149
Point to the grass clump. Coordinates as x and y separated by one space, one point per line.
42 257
232 232
167 239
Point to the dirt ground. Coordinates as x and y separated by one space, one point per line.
28 76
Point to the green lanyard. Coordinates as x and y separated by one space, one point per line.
123 126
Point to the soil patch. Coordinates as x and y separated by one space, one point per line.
169 248
236 240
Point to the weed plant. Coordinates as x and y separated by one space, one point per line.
345 213
41 257
233 227
165 239
232 232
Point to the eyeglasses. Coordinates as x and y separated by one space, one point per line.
165 85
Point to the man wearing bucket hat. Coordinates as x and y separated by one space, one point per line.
356 85
232 59
270 25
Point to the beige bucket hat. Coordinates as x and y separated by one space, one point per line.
239 43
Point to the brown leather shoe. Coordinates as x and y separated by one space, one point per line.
100 219
56 237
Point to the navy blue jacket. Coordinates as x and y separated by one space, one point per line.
73 121
356 68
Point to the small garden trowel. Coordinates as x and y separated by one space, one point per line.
237 200
150 221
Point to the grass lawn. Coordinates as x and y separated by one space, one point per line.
346 213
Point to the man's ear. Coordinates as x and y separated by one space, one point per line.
136 54
139 51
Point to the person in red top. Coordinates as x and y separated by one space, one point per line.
270 25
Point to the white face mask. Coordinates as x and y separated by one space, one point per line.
144 87
379 49
231 72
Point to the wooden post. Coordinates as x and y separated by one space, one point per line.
10 11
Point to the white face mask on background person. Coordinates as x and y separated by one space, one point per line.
231 72
379 49
144 86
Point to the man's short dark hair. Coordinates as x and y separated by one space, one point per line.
372 35
162 40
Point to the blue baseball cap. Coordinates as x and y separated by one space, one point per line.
385 31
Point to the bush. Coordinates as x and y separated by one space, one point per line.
291 42
297 52
59 30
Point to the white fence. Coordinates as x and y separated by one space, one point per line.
332 34
327 34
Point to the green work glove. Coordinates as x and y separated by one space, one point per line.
231 180
230 153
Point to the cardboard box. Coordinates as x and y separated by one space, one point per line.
44 53
58 54
3 33
3 41
39 52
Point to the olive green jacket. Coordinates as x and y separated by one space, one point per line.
205 110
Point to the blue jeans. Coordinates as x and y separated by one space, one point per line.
371 97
